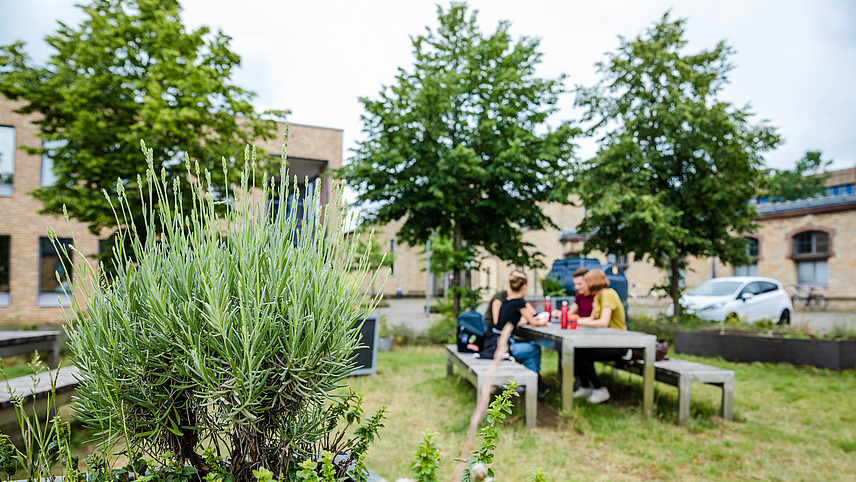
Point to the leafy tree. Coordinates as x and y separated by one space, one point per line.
806 180
676 166
130 71
459 144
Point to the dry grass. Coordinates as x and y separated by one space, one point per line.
790 424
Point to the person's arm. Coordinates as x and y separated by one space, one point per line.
603 321
575 308
495 305
527 316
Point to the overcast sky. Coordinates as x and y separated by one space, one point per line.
795 60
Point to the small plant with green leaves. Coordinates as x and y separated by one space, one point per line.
228 326
427 459
46 443
499 408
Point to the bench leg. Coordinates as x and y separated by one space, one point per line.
567 369
449 368
531 395
53 356
728 399
683 399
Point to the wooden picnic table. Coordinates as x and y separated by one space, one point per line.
24 342
566 341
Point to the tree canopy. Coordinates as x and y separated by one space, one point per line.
676 166
804 181
459 144
130 71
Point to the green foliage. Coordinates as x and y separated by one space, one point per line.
499 408
665 327
376 256
46 444
805 181
676 166
129 71
8 456
459 146
263 475
426 461
537 475
308 472
443 331
553 287
227 332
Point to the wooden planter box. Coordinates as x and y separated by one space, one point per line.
742 346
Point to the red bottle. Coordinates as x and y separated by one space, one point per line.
548 307
564 318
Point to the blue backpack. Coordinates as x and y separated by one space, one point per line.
471 331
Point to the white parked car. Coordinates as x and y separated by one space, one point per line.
746 298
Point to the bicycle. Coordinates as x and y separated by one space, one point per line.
809 298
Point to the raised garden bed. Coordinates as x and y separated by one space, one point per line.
748 346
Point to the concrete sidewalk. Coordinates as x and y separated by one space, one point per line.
409 312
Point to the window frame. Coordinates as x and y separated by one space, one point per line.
14 148
6 296
52 299
796 254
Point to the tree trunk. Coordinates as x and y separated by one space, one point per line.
457 247
674 285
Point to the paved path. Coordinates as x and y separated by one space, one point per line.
409 312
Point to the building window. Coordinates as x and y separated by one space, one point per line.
55 274
7 159
811 251
48 176
392 257
5 261
813 273
751 269
841 190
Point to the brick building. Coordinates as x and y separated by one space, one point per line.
803 242
29 290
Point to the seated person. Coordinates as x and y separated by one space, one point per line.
492 311
607 311
517 311
582 304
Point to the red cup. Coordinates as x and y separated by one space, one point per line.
573 319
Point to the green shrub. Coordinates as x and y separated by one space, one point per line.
227 333
664 327
553 287
442 331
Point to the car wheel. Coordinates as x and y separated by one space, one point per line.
732 318
785 319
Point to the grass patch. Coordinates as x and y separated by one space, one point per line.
790 423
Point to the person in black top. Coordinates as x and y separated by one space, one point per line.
492 311
517 311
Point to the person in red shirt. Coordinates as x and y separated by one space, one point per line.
582 302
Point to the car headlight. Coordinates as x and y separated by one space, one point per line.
714 306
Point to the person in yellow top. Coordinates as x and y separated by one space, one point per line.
607 311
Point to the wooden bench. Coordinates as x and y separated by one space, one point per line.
25 342
36 391
683 373
475 370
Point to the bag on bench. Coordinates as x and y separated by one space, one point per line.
471 332
660 352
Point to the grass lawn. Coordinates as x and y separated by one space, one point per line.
790 424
